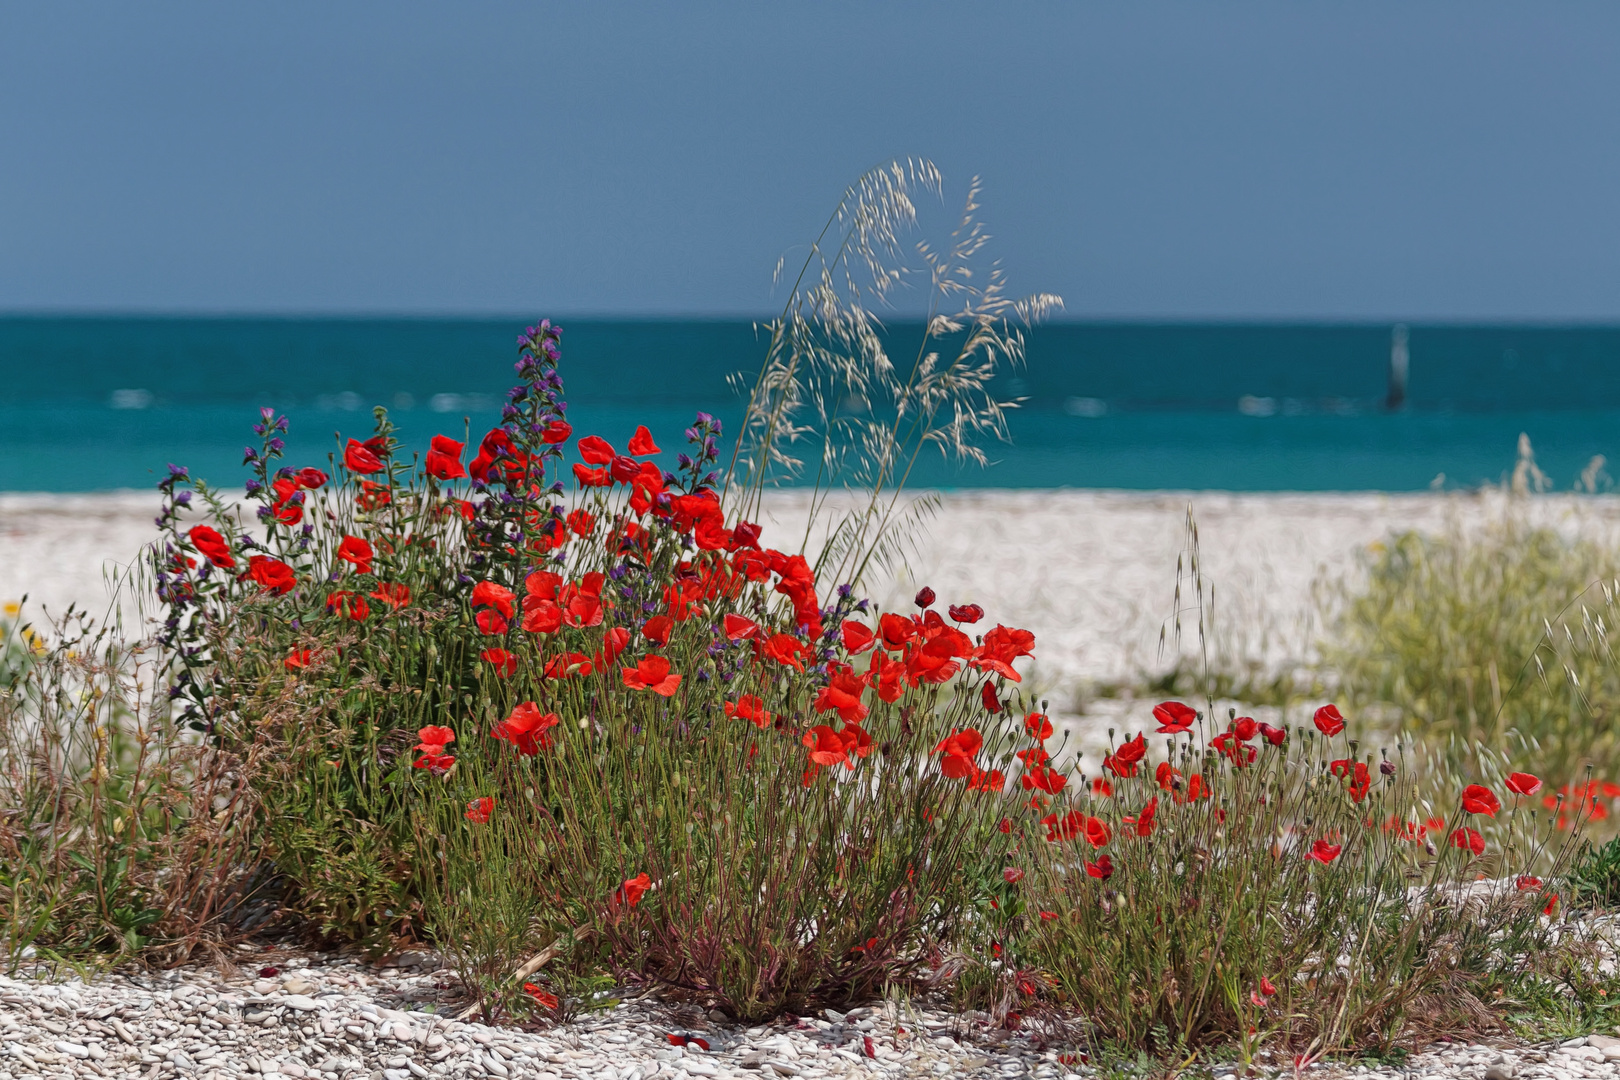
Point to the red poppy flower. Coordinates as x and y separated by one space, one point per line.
751 708
826 747
886 676
965 613
1328 720
374 496
1245 728
1065 828
298 659
556 431
494 445
589 477
1526 882
444 459
1123 761
1144 818
1523 783
505 663
785 649
935 660
349 605
490 622
988 780
924 597
525 728
433 741
581 522
896 630
1273 735
652 673
1324 852
1043 778
541 997
1097 833
1012 875
356 552
582 603
988 695
1101 786
273 575
858 637
857 741
738 628
647 493
213 546
361 457
1468 838
614 642
641 443
1102 870
1195 790
497 596
1174 717
1239 753
843 692
541 616
1167 777
567 665
288 507
631 892
657 628
1479 799
394 595
958 749
1360 780
311 478
595 450
1002 645
687 1040
478 810
1038 726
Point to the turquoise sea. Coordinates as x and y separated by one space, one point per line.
101 403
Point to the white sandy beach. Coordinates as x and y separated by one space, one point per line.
1092 573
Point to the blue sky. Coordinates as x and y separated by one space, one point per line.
1368 160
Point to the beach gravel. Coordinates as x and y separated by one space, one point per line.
364 1022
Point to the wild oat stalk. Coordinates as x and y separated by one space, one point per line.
828 380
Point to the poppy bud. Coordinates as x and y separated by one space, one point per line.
925 597
1387 767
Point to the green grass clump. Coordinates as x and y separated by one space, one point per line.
1496 637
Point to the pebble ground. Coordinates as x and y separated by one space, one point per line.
323 1017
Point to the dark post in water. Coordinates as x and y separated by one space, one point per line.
1397 369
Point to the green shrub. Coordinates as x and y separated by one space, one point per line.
642 692
118 835
1495 637
1280 886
